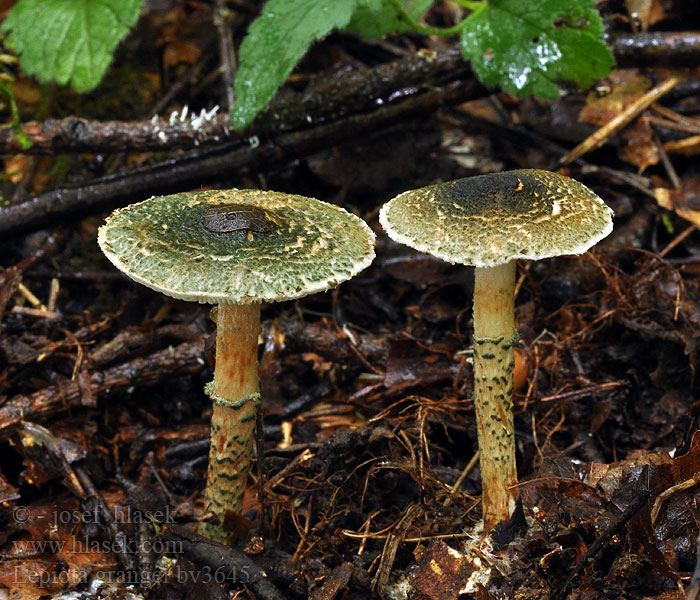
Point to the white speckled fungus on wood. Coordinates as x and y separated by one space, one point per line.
235 248
488 222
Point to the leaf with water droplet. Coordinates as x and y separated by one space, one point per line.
526 47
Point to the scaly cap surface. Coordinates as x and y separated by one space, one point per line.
236 246
492 219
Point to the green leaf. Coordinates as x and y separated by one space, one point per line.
377 18
275 42
69 41
525 47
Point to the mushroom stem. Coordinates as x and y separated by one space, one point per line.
235 393
494 339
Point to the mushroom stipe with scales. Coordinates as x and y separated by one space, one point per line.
235 249
490 221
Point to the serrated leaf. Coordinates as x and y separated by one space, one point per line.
525 47
275 43
69 41
377 18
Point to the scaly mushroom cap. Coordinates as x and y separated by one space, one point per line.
492 219
236 246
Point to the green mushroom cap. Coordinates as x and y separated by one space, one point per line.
236 246
492 219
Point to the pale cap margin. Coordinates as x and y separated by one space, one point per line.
492 219
317 246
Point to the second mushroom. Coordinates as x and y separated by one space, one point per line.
489 222
236 249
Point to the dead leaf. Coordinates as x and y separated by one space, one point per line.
49 553
647 12
639 147
444 573
410 363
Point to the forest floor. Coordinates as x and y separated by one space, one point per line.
369 485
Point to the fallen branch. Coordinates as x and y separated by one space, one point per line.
322 339
234 563
198 168
61 397
669 48
327 100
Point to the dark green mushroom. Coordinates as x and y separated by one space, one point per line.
489 222
235 249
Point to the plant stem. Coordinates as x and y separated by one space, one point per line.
15 121
234 392
427 30
227 54
473 5
494 339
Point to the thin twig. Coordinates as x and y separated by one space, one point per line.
675 489
666 162
677 240
586 391
618 523
462 476
600 136
226 51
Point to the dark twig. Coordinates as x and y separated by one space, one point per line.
197 168
132 340
56 399
118 534
234 563
226 52
357 91
694 588
618 523
188 449
670 48
324 101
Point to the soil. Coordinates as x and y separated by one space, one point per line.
366 482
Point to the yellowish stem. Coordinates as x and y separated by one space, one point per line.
494 339
235 393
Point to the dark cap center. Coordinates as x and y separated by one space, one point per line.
226 218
